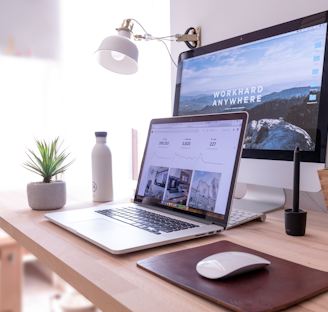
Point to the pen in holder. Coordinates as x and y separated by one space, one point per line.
295 219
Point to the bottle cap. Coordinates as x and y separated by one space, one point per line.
101 134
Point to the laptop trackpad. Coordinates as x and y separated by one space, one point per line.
94 225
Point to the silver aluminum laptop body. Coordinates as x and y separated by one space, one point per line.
185 187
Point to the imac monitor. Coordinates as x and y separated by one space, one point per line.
279 75
173 184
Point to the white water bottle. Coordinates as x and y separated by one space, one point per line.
102 181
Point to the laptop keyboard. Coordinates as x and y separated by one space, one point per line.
145 220
238 216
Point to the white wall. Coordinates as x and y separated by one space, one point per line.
30 107
96 99
30 28
222 19
74 96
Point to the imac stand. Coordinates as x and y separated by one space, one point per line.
266 181
261 199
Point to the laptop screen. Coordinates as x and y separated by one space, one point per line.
189 165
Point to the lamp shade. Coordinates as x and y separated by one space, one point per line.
118 54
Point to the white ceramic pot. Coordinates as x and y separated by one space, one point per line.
46 196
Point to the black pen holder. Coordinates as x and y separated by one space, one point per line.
295 222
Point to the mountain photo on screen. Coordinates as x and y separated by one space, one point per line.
276 80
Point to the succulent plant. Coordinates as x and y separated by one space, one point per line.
50 162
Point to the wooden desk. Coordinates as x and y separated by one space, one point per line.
114 283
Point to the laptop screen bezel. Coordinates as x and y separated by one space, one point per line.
206 215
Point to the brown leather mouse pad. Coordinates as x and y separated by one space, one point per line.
277 286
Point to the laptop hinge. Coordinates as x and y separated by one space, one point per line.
217 223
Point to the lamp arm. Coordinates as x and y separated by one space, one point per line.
147 35
186 37
132 19
168 52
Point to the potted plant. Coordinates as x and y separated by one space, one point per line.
47 194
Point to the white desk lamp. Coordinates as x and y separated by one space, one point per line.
119 53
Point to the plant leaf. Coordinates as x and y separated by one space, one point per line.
48 164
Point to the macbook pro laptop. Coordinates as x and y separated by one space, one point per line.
185 187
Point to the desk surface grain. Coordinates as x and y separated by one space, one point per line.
114 283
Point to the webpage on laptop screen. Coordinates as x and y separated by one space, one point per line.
276 80
190 165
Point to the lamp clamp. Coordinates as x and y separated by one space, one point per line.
194 37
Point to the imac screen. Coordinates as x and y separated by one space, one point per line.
277 80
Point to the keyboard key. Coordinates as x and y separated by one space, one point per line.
145 220
166 230
239 217
143 227
123 220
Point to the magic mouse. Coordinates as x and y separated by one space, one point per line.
228 264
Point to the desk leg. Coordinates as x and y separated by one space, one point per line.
11 278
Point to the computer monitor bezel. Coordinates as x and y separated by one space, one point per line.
317 156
